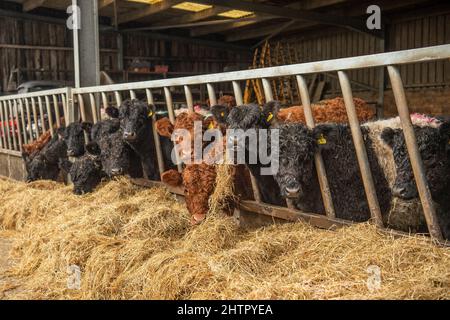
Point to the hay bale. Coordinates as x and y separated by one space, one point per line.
134 243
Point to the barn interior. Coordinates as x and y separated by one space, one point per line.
144 40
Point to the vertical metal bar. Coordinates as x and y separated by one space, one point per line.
132 94
49 115
56 108
83 115
269 97
189 99
17 124
30 129
118 98
360 148
211 95
76 45
41 113
414 154
11 123
381 83
35 117
104 101
320 167
238 96
159 154
22 119
237 93
93 107
4 143
8 131
169 103
72 113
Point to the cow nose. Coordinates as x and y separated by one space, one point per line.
116 171
129 135
292 192
70 153
404 192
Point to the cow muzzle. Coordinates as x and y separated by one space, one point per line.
405 192
292 192
70 153
129 136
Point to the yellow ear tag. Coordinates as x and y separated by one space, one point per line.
222 114
322 140
270 117
150 114
211 126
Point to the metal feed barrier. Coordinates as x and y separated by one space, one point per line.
73 99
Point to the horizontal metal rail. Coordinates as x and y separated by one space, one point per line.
367 61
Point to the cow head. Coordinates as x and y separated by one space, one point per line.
38 168
220 114
296 155
73 136
86 171
434 149
134 117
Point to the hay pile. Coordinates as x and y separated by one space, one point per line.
134 243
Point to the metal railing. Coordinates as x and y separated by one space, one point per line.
24 117
339 66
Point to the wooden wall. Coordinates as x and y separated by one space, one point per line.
44 51
402 34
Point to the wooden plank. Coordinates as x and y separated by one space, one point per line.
32 4
148 10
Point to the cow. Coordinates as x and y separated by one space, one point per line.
136 125
434 147
86 171
251 116
73 136
43 164
388 162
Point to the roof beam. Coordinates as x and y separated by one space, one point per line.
308 5
232 24
192 17
104 3
149 10
32 4
296 14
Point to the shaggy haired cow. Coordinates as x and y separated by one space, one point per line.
136 125
73 136
251 116
44 164
387 159
86 171
330 110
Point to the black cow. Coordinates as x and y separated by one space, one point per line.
73 135
247 117
116 155
44 164
297 176
434 147
135 121
86 171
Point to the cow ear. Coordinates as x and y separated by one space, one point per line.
164 127
270 110
86 126
324 135
112 112
151 110
93 149
388 135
